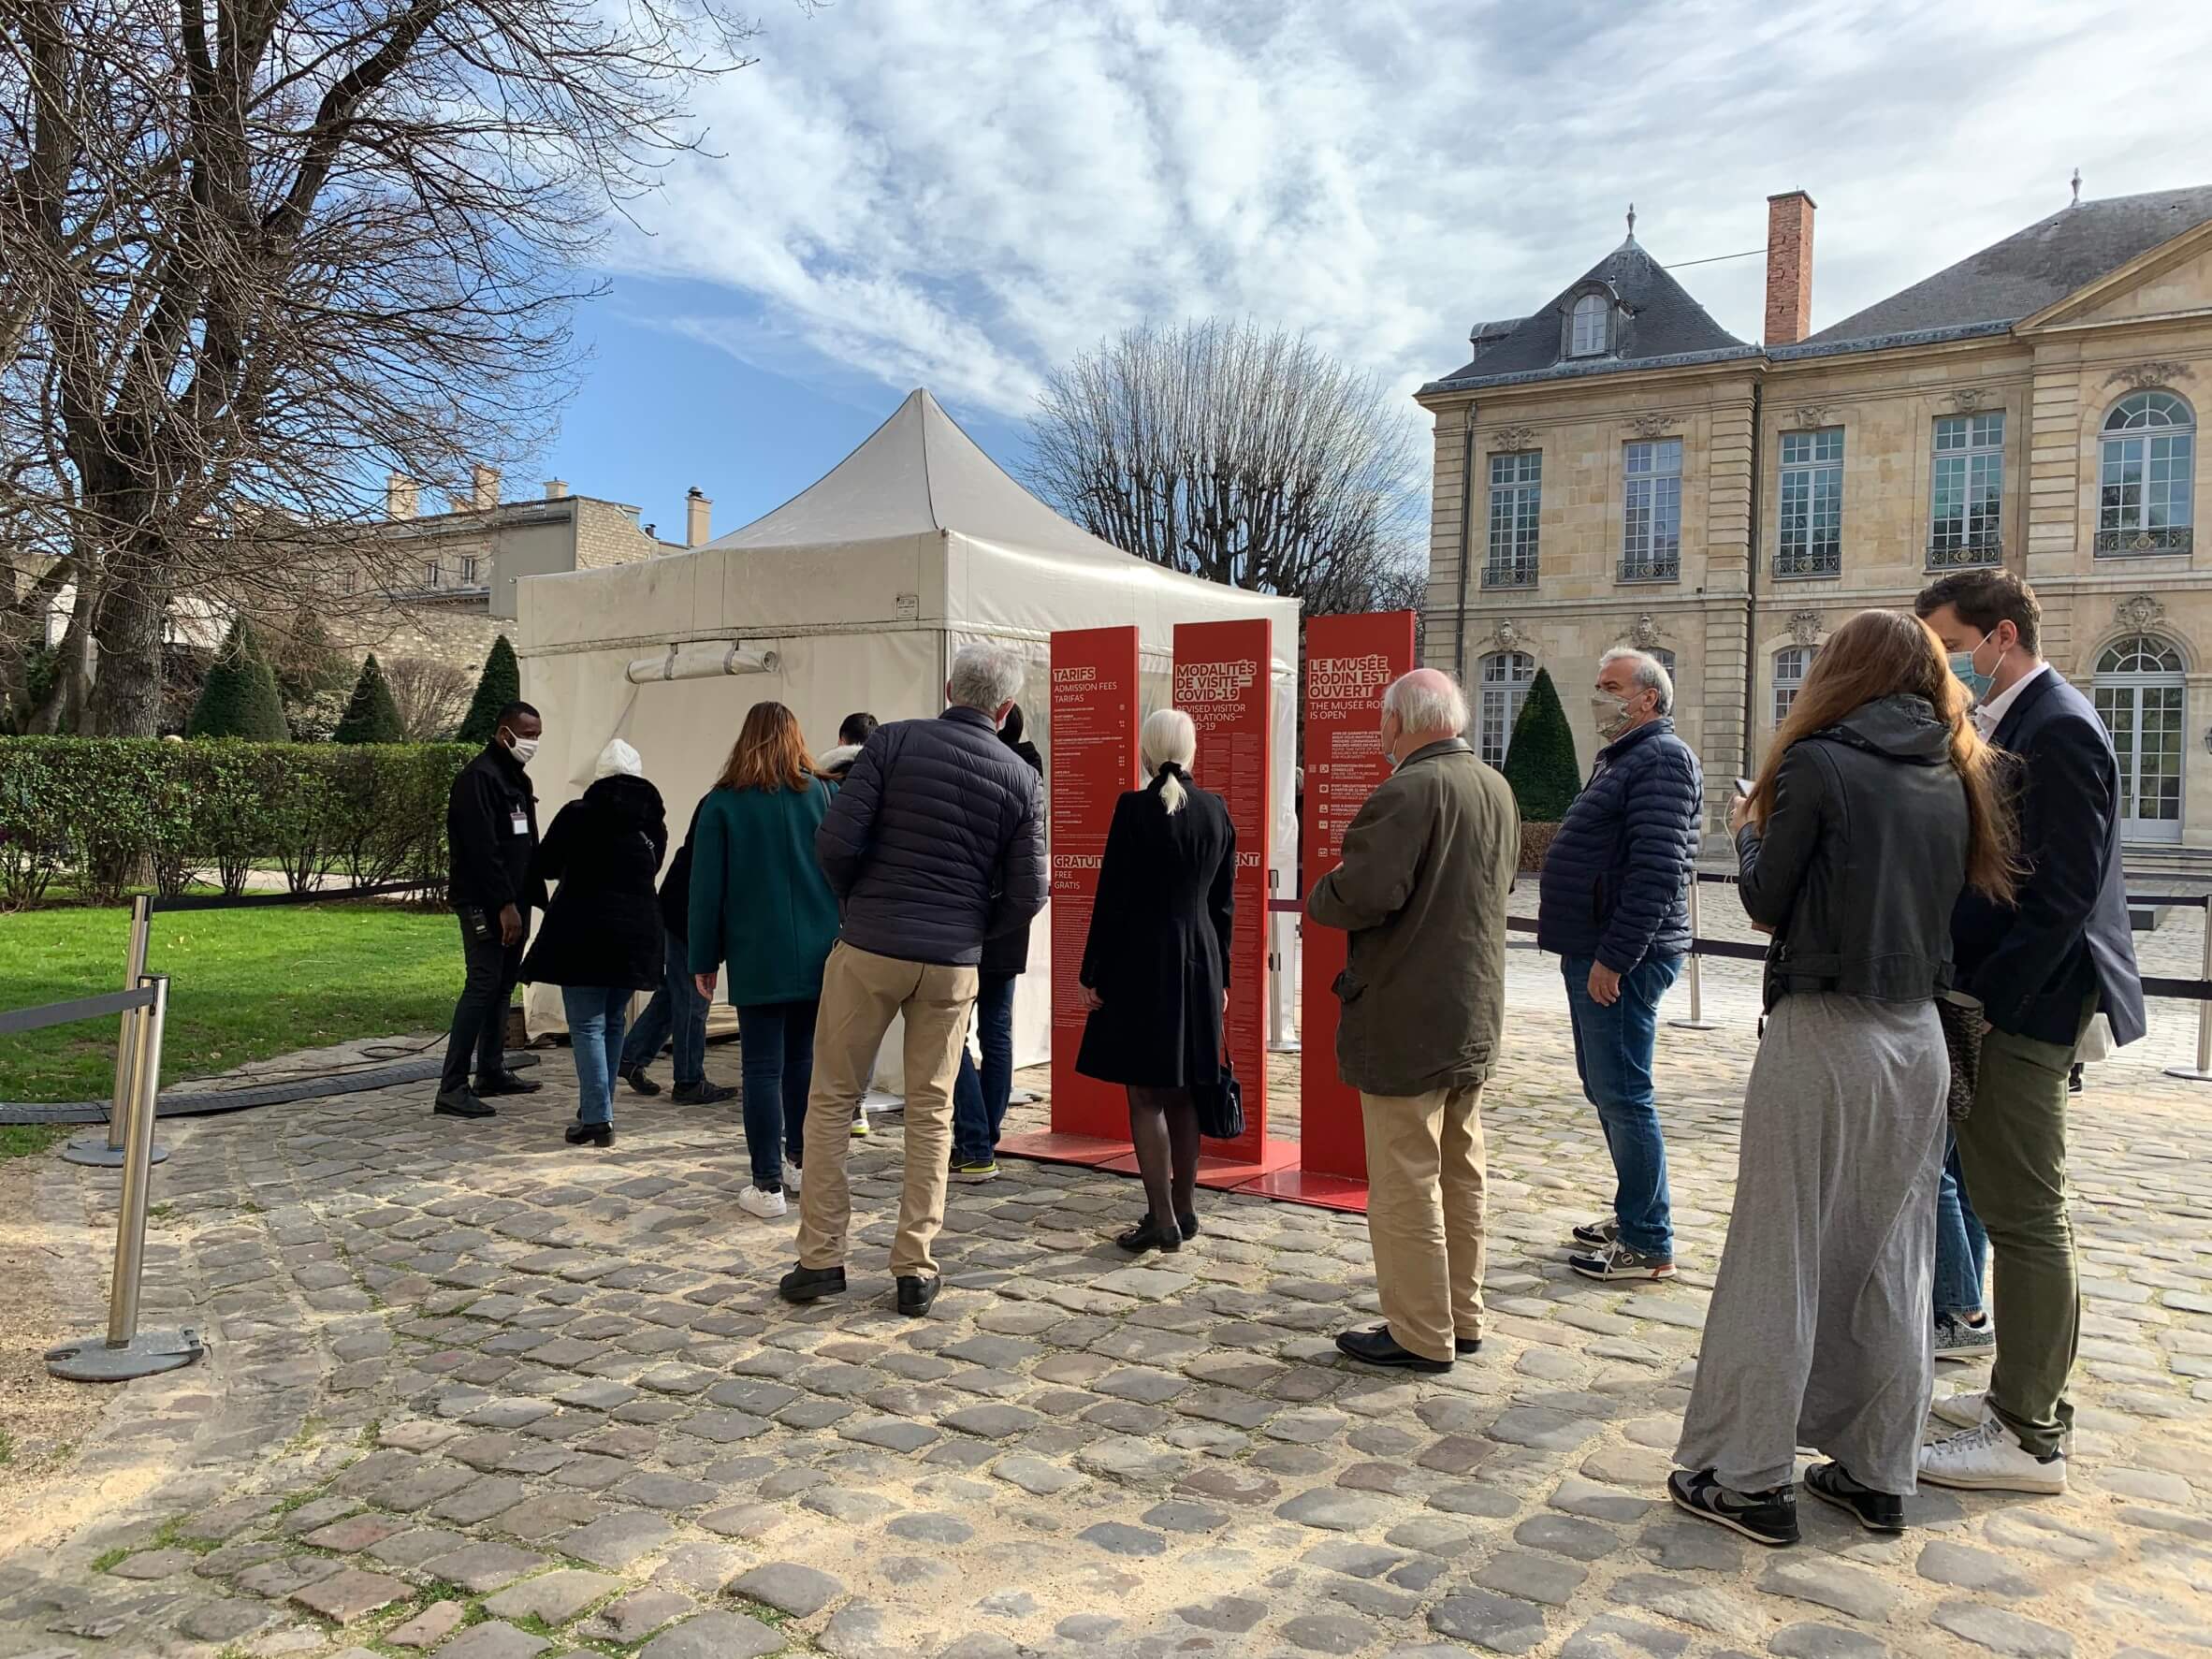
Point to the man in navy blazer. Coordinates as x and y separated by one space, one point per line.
2042 968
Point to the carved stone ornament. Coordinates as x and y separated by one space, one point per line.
1513 438
1812 415
1968 399
1653 425
1506 635
2141 613
1644 634
1805 626
2143 376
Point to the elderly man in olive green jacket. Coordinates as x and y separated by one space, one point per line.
1422 890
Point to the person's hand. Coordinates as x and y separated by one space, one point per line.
1225 1002
1605 985
1739 814
705 984
510 925
1092 1001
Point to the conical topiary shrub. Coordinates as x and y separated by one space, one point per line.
500 684
371 715
238 698
1540 759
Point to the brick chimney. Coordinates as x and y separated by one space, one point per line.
483 487
398 496
697 511
555 488
1789 267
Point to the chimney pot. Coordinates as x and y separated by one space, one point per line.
398 496
698 510
1789 267
483 487
555 488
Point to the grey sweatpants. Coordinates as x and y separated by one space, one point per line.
1818 1332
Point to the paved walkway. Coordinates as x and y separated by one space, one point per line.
478 1393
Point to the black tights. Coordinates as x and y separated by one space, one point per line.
1164 1125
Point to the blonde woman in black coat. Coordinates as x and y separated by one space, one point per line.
1155 969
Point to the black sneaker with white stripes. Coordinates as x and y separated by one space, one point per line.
1598 1234
1767 1517
1877 1511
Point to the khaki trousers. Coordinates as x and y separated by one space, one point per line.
1425 1175
861 993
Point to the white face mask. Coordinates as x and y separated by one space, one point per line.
522 749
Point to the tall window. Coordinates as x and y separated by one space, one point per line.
1812 504
1586 332
1966 520
1666 660
1516 503
468 571
1505 676
1651 513
2145 468
1790 664
2140 692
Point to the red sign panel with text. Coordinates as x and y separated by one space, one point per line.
1222 682
1350 660
1094 759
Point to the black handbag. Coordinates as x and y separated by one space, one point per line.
1221 1106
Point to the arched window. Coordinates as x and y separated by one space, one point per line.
2145 466
1505 676
2140 694
1790 664
1586 335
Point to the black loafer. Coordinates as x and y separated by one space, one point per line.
811 1284
1877 1511
1379 1348
916 1293
639 1083
1189 1226
589 1134
461 1104
1149 1235
507 1083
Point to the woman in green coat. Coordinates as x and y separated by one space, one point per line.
760 904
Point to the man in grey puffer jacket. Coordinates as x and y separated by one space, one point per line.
935 844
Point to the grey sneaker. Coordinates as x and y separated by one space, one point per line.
1618 1260
1955 1339
1596 1235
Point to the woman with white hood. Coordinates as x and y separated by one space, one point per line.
601 941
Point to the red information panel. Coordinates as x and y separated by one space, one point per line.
1350 660
1094 759
1222 682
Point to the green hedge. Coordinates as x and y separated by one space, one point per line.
101 814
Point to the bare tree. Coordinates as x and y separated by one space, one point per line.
256 255
432 696
1243 456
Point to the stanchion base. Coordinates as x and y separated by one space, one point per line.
1288 1045
1313 1189
95 1153
146 1354
1695 1025
2188 1074
1049 1146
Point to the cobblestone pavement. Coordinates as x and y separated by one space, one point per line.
478 1393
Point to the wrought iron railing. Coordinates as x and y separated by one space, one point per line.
2167 539
1966 553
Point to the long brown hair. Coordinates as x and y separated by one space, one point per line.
1885 654
770 752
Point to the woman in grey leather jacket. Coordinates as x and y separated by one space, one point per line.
1876 807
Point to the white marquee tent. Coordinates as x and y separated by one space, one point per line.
854 595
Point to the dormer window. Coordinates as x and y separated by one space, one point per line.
1587 326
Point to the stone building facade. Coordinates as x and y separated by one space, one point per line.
1616 469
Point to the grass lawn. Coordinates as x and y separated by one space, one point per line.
244 984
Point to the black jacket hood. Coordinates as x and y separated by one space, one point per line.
1901 727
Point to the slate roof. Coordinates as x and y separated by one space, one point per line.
1664 325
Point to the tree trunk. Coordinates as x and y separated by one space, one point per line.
126 696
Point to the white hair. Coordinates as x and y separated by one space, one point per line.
1650 673
1426 700
984 677
1168 738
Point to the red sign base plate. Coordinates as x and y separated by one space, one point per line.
1047 1147
1310 1187
1224 1175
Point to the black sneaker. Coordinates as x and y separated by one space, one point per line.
1877 1511
589 1134
916 1293
1378 1347
702 1093
461 1104
639 1083
1598 1235
1466 1344
1768 1517
507 1083
811 1284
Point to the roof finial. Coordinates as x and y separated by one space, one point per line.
1632 221
2076 201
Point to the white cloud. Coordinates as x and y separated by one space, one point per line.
963 195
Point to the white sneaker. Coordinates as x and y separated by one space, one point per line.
791 1177
1991 1458
1963 1408
766 1205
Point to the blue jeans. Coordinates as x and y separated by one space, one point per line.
1961 1246
595 1015
677 1007
776 1055
978 1103
1613 1053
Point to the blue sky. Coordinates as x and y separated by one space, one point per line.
962 195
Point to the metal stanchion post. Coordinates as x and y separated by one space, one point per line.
104 1150
2202 1070
129 1352
1697 1021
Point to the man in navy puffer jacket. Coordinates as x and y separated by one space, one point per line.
935 844
1614 909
